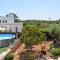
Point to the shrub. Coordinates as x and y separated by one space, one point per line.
9 56
55 52
32 35
31 56
27 56
54 31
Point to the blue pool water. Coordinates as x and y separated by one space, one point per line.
6 36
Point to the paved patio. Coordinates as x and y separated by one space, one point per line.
2 55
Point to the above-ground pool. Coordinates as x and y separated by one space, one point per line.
5 39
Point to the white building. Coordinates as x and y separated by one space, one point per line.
7 24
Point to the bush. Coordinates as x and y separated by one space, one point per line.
31 56
55 52
9 57
54 31
32 35
27 56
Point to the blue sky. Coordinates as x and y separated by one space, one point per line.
31 9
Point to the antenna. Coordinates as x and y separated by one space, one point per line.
49 20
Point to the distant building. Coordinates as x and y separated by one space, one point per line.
8 24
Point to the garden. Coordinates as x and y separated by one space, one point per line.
36 32
41 39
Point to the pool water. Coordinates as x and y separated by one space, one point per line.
6 36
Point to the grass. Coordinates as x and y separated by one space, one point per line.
55 51
9 56
3 49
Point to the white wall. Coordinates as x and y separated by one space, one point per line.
18 25
2 18
10 18
13 26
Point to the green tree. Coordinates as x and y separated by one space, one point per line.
54 31
32 35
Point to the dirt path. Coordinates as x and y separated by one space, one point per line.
18 51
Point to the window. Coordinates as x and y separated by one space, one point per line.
3 21
6 21
0 21
6 15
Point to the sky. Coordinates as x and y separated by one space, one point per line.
31 9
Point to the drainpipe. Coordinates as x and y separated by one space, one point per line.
16 33
10 28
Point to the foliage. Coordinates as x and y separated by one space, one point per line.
31 56
32 35
35 31
27 56
54 31
9 56
55 51
36 23
2 49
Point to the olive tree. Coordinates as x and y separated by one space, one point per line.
54 31
32 35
